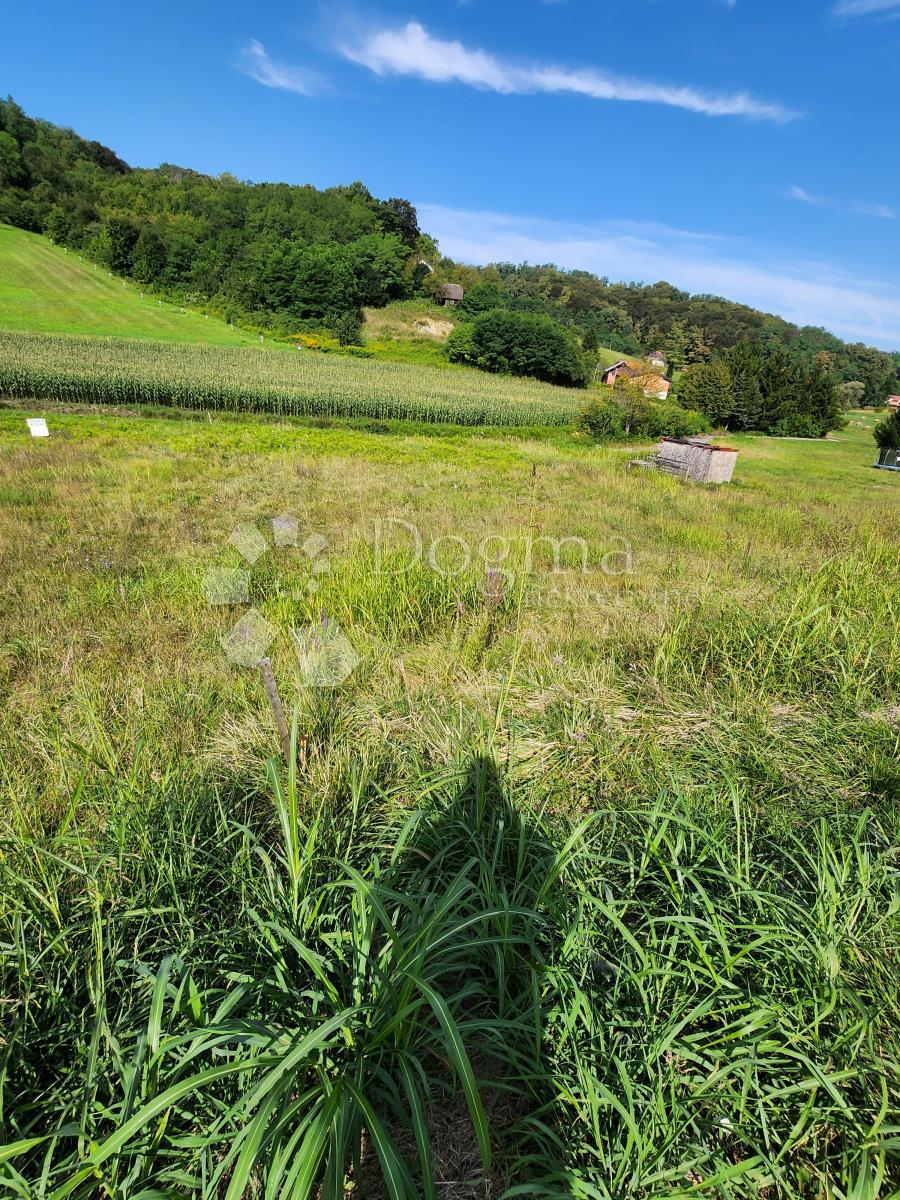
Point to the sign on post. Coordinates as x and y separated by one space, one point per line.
37 426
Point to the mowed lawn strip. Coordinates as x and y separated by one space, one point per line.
44 289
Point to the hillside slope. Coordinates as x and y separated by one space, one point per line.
43 289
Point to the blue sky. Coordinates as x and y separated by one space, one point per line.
743 147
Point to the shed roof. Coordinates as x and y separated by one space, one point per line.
701 443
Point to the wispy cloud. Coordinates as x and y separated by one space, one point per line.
855 207
863 8
884 212
254 61
806 292
805 197
412 50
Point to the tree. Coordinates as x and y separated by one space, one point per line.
520 344
378 263
347 328
57 225
746 402
148 260
321 282
12 169
708 388
780 400
876 370
590 342
482 298
675 346
798 399
634 404
459 345
115 243
614 329
399 217
696 350
652 336
852 393
601 418
887 431
744 363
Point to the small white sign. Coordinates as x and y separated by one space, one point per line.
38 426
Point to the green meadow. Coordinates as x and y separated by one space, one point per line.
46 289
582 882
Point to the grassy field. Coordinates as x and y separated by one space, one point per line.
410 331
585 883
141 350
44 289
47 290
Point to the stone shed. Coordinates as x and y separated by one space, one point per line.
698 459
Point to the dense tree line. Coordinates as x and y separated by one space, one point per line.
270 253
290 257
637 319
751 387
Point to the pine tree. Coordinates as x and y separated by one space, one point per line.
746 403
781 388
745 365
675 346
708 387
652 338
696 348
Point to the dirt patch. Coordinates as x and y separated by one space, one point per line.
433 328
456 1159
890 716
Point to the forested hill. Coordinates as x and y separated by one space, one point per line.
292 257
635 319
270 253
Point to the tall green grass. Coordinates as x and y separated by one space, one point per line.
446 994
587 889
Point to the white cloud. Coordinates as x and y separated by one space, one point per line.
855 207
254 61
799 193
808 293
883 211
411 50
862 8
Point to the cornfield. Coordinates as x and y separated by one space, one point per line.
248 379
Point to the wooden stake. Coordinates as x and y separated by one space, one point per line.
284 734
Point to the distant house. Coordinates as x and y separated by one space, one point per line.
450 294
893 401
653 384
657 359
610 374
